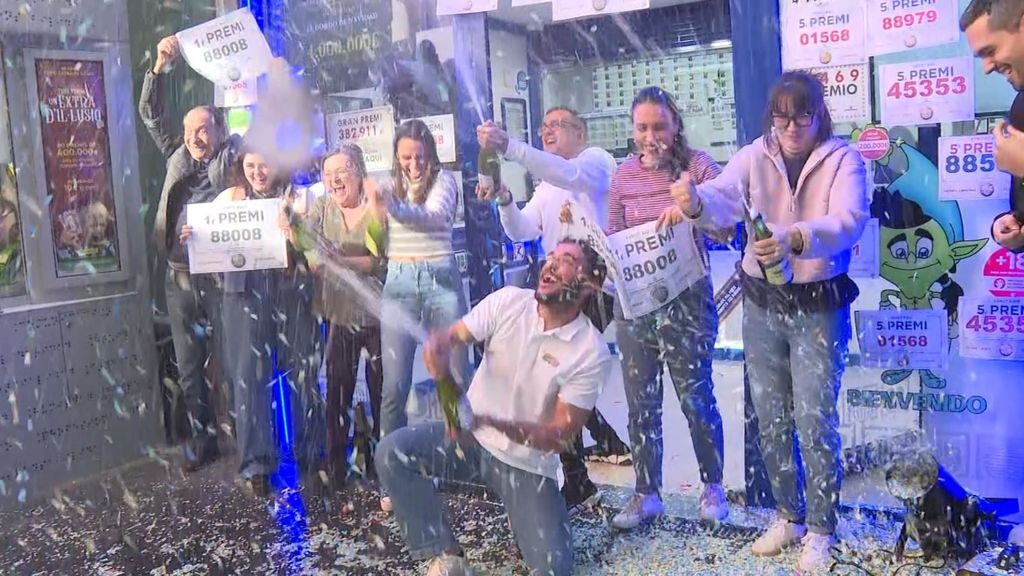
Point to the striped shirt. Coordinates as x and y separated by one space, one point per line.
639 195
424 230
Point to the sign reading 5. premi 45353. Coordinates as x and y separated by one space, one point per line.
907 339
994 328
927 92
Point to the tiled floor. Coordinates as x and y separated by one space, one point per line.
148 519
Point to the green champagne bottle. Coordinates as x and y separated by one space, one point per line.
448 394
488 167
779 273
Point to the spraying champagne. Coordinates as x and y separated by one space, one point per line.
779 273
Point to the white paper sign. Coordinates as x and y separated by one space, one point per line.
372 129
226 49
572 9
927 92
235 236
443 129
452 7
236 94
903 339
898 25
992 328
864 254
528 2
967 169
822 33
655 265
846 91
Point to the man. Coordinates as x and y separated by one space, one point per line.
993 30
543 368
574 182
197 170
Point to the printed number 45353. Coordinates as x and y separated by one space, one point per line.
927 87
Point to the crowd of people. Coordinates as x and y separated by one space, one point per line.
545 360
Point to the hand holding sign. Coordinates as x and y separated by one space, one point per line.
226 49
167 52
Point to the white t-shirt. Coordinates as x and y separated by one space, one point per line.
582 181
525 369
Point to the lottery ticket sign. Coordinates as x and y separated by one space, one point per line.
967 169
443 129
864 254
655 265
822 33
994 328
372 130
903 339
235 236
927 92
897 25
846 91
226 49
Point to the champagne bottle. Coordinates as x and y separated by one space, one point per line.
779 273
488 167
448 394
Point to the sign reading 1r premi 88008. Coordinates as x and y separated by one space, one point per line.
226 49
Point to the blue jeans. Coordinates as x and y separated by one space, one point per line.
682 335
425 293
409 459
795 365
193 304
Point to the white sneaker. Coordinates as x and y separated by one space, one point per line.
817 551
449 565
714 506
638 510
780 535
385 504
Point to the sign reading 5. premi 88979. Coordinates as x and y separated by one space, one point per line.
967 169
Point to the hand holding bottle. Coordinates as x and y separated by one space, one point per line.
684 195
780 245
491 137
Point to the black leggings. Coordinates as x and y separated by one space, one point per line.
344 349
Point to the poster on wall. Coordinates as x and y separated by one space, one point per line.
927 91
573 9
372 129
12 264
236 94
898 25
967 169
76 161
903 339
864 254
338 41
443 129
452 7
846 91
822 33
993 328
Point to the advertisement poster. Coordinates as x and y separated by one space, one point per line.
895 26
927 91
993 328
226 49
12 265
1003 274
822 33
864 254
967 169
338 41
76 152
903 339
235 236
846 91
372 129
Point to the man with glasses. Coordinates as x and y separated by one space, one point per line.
993 30
574 182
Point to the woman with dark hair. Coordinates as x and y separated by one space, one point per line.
342 219
423 283
682 332
269 330
812 190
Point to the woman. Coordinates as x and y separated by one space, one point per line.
812 190
266 317
342 218
423 284
682 331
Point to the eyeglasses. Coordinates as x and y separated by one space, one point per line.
556 124
781 121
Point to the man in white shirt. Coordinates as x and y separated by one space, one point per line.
543 368
574 183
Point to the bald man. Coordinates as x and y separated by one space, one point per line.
198 168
